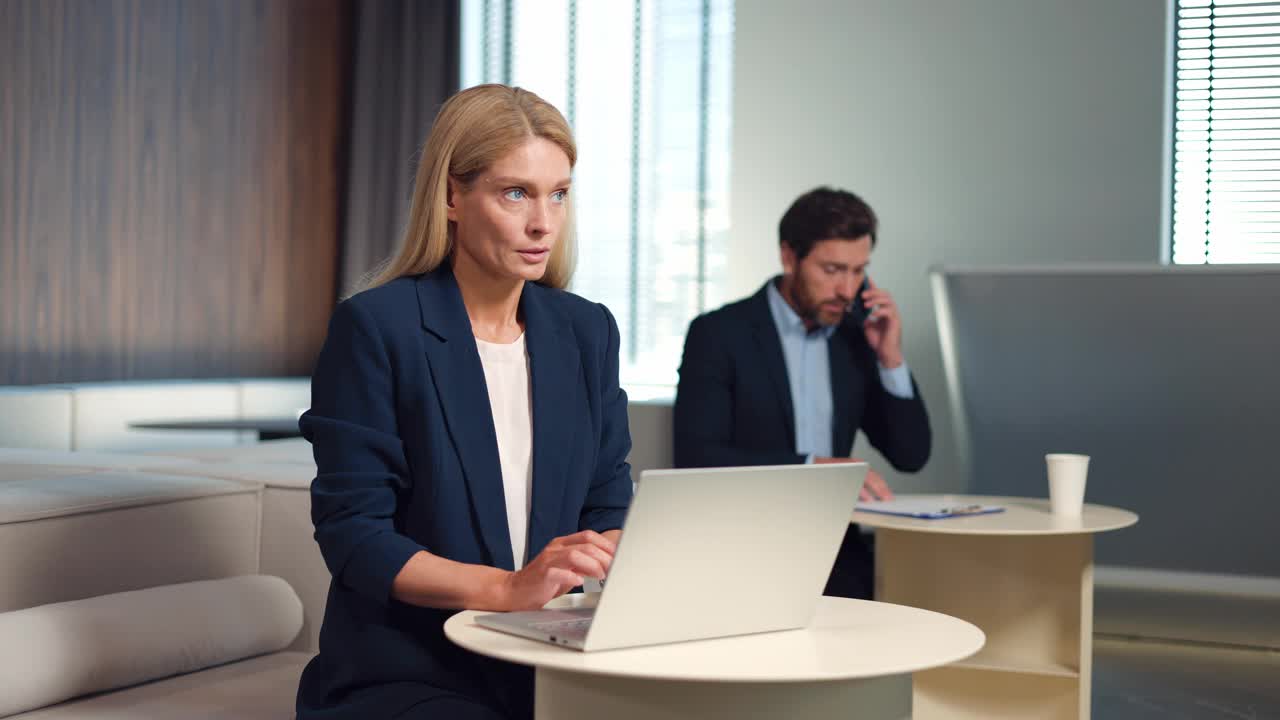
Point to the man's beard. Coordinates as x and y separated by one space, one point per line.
811 310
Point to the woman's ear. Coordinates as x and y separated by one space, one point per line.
450 192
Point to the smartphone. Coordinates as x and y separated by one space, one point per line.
858 312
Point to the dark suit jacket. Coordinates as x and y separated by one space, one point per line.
407 459
733 403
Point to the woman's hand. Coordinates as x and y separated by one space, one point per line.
559 568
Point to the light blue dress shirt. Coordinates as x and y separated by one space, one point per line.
809 375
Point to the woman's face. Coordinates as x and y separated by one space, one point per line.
508 221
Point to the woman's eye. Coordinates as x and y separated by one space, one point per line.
514 194
560 195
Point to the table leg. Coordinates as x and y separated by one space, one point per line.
1033 597
562 695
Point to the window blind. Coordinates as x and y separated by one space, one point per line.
1226 179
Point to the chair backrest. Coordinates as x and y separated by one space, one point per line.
650 424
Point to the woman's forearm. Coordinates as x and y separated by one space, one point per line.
429 580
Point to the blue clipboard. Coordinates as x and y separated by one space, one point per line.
926 509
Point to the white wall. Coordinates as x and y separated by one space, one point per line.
982 131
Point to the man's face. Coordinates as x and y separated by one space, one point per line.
824 285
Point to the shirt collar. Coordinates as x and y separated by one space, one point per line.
787 320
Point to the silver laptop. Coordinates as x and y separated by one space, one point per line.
710 553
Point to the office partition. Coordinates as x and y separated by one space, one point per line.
1168 376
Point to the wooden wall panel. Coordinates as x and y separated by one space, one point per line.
169 186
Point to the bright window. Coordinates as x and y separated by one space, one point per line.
1226 178
645 84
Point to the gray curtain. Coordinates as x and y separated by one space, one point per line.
405 65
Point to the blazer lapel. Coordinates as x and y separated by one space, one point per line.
555 381
459 382
770 347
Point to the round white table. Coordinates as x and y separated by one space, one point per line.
1025 577
855 660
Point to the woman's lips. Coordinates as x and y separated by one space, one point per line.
535 255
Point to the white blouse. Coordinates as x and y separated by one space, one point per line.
506 372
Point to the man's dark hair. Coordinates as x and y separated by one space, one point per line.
822 214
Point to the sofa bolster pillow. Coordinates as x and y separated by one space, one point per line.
55 652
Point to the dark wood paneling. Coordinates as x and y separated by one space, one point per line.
169 189
405 65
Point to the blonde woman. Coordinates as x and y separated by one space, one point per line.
467 424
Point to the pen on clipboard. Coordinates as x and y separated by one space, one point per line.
962 510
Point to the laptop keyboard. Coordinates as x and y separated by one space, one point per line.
573 628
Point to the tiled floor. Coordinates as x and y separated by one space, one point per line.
1144 680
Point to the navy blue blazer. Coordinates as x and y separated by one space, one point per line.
407 458
733 402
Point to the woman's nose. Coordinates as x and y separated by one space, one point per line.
539 222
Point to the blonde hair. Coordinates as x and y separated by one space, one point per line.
473 129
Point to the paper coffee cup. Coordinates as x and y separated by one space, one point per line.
1067 473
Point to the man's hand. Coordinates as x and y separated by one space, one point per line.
883 327
559 568
875 488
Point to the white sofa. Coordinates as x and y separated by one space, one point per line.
284 470
127 590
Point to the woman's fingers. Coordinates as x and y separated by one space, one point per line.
562 566
536 585
562 581
586 537
586 560
586 553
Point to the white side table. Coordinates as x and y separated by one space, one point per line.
1025 577
854 661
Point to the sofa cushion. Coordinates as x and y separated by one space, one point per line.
22 500
292 450
288 546
85 459
56 652
43 414
31 472
66 538
297 476
289 550
261 688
